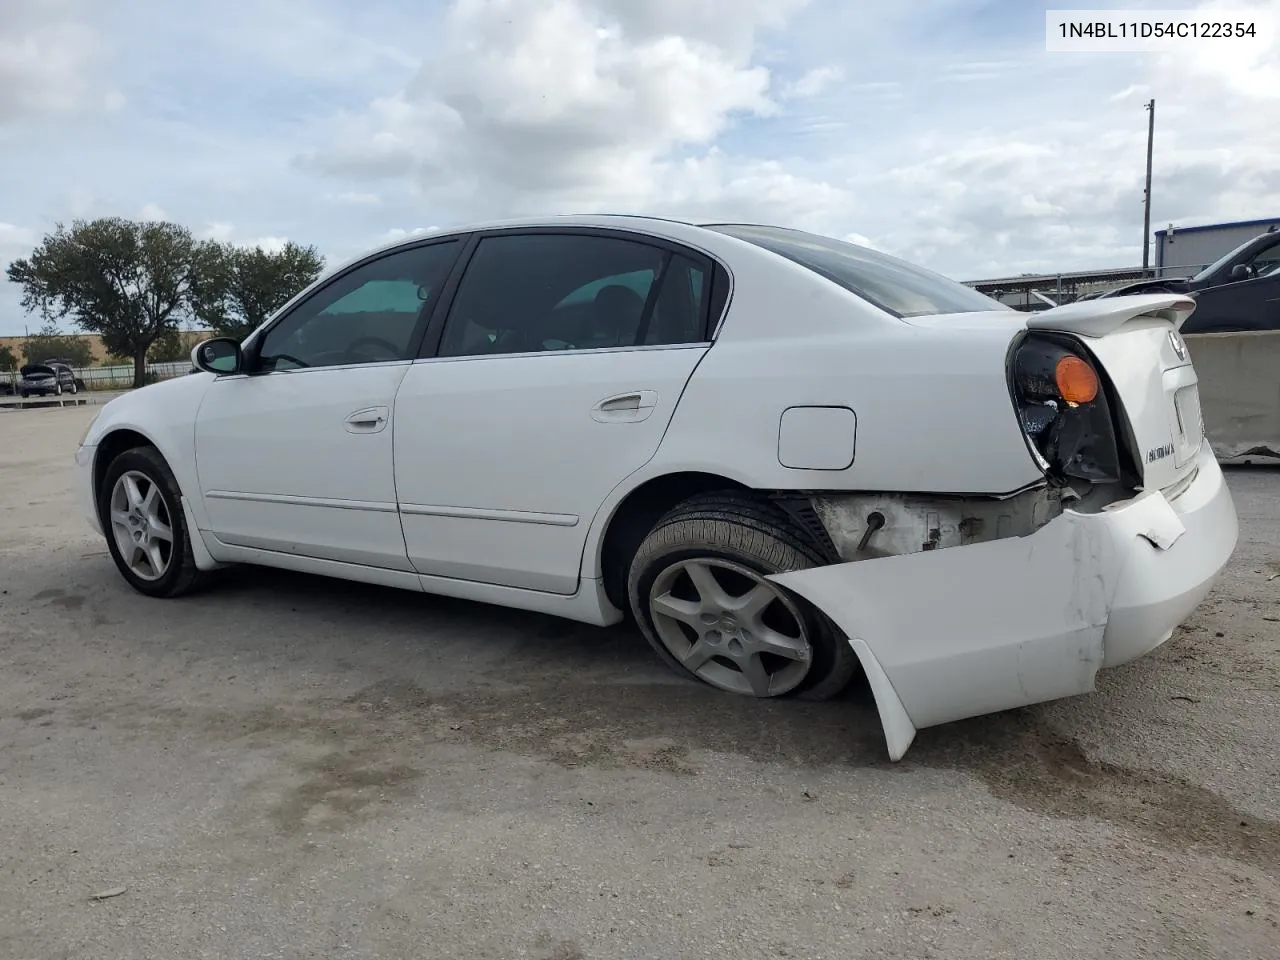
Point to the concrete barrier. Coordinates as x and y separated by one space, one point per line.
1239 391
94 398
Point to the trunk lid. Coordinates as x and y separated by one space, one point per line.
1135 341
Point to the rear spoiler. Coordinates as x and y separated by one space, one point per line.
1097 318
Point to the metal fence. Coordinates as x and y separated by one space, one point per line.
117 377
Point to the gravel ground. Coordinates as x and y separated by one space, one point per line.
293 767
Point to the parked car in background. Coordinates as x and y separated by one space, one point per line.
1241 291
786 458
46 379
70 363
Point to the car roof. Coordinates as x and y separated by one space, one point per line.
668 227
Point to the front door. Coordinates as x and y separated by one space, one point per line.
1243 305
558 370
295 455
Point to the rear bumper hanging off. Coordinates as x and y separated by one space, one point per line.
970 630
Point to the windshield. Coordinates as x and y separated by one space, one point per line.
893 285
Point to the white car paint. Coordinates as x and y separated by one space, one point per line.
301 463
560 429
495 478
975 629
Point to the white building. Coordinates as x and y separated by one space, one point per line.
1181 251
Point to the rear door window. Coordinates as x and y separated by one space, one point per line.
542 292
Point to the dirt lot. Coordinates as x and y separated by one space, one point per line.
292 767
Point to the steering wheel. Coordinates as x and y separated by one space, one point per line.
393 351
275 358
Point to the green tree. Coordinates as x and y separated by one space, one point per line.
49 343
127 281
170 346
238 288
8 362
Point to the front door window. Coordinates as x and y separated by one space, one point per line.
369 315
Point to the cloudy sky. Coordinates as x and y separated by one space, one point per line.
939 130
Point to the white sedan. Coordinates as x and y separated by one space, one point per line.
786 457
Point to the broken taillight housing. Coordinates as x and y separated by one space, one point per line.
1064 411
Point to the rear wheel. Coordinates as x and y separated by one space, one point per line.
698 590
141 509
57 389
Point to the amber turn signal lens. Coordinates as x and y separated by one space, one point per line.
1076 380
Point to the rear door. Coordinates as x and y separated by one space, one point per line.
555 375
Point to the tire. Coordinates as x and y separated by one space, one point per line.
57 390
739 540
148 470
74 389
25 394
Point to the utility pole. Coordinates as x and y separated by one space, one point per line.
1146 196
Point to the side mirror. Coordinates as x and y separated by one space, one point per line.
220 355
1240 271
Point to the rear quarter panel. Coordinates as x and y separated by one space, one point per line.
933 407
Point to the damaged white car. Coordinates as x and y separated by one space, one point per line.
787 457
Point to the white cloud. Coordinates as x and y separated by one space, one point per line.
47 57
1129 92
354 198
12 235
78 201
219 231
565 104
399 233
266 244
224 232
152 211
16 241
814 82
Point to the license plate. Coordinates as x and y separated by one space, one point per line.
1187 402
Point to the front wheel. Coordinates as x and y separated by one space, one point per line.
699 592
57 390
74 389
141 509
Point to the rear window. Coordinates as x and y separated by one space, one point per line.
37 368
893 285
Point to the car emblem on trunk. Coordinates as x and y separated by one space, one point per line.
1179 345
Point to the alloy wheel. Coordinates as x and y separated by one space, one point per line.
141 525
730 627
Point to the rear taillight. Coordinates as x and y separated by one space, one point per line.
1062 406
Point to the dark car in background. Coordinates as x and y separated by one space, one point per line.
1241 291
47 379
